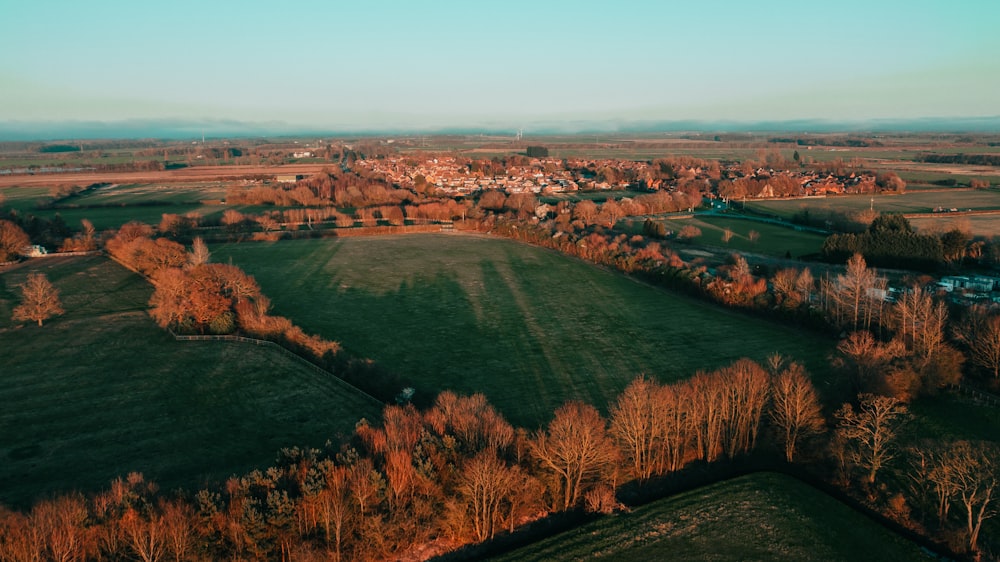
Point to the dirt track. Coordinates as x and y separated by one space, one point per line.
194 173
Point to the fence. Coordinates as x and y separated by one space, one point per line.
980 396
272 345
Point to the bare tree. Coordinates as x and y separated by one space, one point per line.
870 431
981 333
745 387
199 252
805 285
12 240
486 483
585 211
869 356
919 322
40 300
853 301
976 479
635 423
795 407
576 447
145 536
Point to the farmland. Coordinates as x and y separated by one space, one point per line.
774 240
105 391
528 327
911 202
762 516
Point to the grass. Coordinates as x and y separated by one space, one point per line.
102 391
528 327
137 194
977 225
773 239
910 202
762 516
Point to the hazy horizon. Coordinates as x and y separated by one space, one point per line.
555 66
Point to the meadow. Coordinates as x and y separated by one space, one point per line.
102 391
762 516
772 239
529 328
910 202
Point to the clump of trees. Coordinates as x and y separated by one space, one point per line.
890 241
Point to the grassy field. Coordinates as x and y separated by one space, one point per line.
137 194
762 516
528 327
24 198
102 391
915 202
774 240
977 225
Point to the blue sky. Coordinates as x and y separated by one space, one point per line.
414 64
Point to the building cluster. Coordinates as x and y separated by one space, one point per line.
453 175
971 289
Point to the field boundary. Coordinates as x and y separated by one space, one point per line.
273 345
985 398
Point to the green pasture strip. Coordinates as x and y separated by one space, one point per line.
910 202
772 239
762 516
528 327
102 391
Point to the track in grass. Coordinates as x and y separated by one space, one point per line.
102 392
529 328
762 516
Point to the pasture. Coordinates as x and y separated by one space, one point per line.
986 225
102 391
529 328
762 516
910 202
772 239
145 194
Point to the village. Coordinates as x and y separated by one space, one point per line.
452 175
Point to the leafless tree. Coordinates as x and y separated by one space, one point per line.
636 424
12 240
40 300
199 252
870 431
981 333
795 408
575 447
486 484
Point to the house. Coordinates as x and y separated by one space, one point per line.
34 251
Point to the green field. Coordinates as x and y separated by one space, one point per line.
910 202
137 194
528 327
762 516
977 225
24 198
775 240
102 391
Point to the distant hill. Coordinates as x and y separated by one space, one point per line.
13 130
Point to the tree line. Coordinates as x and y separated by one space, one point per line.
423 482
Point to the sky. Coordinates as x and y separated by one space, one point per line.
401 65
